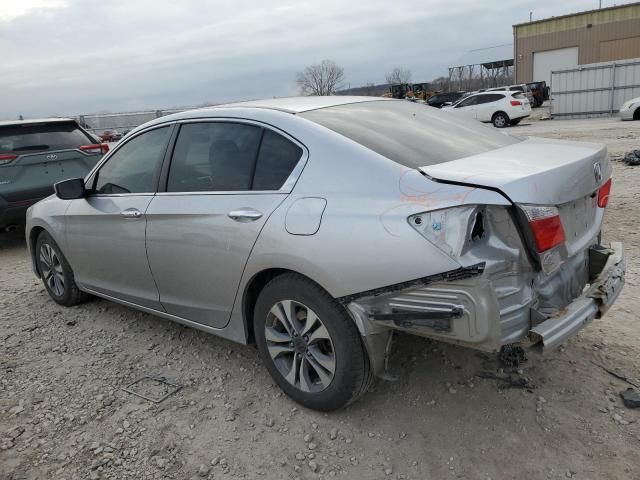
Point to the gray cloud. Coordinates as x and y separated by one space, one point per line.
85 56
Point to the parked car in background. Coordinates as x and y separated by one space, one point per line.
35 154
110 136
301 224
522 88
440 99
502 108
630 110
539 92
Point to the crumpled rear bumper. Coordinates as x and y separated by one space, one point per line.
593 303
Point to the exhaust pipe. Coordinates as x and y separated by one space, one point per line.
11 228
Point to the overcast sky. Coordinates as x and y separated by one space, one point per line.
66 57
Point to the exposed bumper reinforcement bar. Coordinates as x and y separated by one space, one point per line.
593 303
438 321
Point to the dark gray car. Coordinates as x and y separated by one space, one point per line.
35 154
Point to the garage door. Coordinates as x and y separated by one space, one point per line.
546 62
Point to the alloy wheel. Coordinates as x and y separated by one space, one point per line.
500 121
52 272
300 346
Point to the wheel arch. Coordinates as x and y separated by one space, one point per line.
636 114
32 238
502 112
252 290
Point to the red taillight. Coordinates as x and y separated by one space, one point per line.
515 103
7 158
547 232
546 226
603 194
95 148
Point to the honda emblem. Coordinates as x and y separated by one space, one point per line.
597 172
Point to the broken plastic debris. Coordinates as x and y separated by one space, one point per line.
631 398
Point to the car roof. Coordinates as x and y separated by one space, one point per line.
34 120
301 104
291 105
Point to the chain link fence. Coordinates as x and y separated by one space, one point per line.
122 122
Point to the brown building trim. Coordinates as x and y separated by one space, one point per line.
596 11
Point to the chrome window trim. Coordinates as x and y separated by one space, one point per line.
288 184
110 195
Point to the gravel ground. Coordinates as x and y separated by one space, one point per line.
64 415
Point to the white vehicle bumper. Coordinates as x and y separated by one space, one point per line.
626 114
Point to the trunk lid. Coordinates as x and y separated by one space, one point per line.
534 171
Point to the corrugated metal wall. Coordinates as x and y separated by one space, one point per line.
596 89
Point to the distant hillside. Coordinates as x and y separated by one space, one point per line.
367 90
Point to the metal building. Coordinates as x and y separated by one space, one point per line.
482 68
564 42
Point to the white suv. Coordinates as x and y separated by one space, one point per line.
522 88
501 108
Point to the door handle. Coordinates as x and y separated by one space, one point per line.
131 213
244 215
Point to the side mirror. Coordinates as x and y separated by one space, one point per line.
70 189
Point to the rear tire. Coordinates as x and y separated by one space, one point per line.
56 273
309 344
500 120
636 114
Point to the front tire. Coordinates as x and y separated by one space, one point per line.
309 344
500 120
56 273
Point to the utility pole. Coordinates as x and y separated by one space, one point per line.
530 16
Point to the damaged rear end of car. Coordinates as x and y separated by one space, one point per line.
520 219
532 268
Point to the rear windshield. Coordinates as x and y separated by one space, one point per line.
408 133
42 137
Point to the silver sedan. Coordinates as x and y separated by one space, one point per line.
317 227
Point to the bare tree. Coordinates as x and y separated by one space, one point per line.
323 78
370 89
398 75
439 84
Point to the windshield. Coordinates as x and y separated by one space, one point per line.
41 137
410 134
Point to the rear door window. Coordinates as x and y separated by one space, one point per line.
489 98
135 166
43 137
214 156
226 156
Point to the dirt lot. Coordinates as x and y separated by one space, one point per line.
64 415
